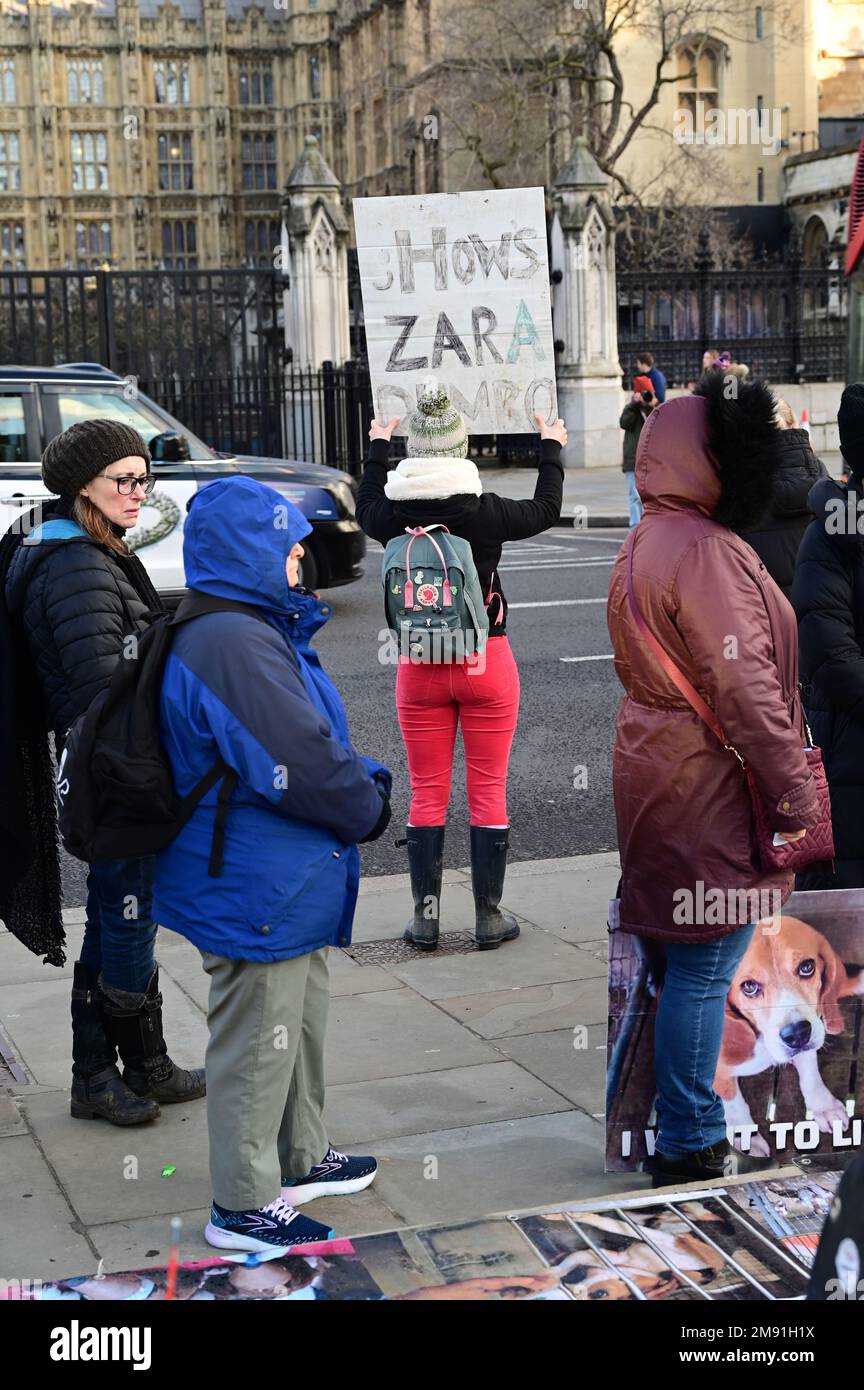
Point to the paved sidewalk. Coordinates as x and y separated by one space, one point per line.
465 1059
592 496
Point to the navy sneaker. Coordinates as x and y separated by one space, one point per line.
270 1231
336 1175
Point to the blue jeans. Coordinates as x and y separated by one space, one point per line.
119 932
633 499
688 1031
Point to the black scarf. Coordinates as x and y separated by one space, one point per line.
30 887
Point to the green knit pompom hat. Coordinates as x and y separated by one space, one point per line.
435 428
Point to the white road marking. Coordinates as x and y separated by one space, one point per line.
555 565
607 656
556 603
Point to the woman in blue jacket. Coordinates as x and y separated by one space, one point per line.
246 686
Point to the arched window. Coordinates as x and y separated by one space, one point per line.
699 69
815 241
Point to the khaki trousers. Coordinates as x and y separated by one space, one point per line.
265 1074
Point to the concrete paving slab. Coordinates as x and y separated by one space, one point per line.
36 1017
366 1112
535 957
108 1171
536 1009
393 1033
577 1073
401 883
12 1121
347 977
38 1240
539 1160
565 903
386 914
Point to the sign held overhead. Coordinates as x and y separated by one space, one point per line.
458 284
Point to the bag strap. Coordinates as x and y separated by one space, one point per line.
677 677
195 604
414 532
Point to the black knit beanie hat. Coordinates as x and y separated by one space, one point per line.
74 457
850 420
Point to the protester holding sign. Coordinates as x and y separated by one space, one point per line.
437 486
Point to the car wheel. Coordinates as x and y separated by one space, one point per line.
308 570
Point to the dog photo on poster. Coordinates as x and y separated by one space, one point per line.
791 1068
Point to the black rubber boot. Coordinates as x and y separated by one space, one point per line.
714 1162
134 1024
98 1090
426 864
488 867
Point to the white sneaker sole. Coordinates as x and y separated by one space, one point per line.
298 1196
229 1240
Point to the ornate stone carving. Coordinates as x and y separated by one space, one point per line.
324 247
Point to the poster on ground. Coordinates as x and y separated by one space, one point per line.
791 1068
456 286
749 1242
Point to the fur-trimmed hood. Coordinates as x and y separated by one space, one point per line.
711 454
431 477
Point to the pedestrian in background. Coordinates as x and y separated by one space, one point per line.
777 535
437 483
633 417
645 367
77 591
247 687
704 468
828 594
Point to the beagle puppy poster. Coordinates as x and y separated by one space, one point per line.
790 1070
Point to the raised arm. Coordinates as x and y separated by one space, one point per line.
374 510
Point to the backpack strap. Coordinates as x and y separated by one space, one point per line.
414 532
195 604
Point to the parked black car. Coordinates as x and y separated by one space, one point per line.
36 403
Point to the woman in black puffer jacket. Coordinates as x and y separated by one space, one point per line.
777 535
828 595
77 591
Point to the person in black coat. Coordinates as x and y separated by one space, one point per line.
828 595
777 536
437 483
75 593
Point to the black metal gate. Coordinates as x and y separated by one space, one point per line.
785 319
205 344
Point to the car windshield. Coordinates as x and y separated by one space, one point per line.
93 403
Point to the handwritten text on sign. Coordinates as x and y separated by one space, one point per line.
457 285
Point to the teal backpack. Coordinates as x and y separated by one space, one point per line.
432 596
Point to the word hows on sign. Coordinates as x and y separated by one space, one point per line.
458 284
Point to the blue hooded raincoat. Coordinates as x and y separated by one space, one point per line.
304 798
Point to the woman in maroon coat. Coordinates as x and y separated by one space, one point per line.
704 465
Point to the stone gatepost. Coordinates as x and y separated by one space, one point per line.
314 222
584 312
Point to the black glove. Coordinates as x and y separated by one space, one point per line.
383 820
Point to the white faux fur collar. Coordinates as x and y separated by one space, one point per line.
432 477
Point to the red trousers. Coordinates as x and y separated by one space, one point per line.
430 701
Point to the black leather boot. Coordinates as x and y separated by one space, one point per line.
134 1025
426 865
488 867
98 1091
668 1169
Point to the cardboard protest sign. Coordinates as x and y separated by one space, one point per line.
790 1071
456 285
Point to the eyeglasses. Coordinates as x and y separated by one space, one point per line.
126 484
